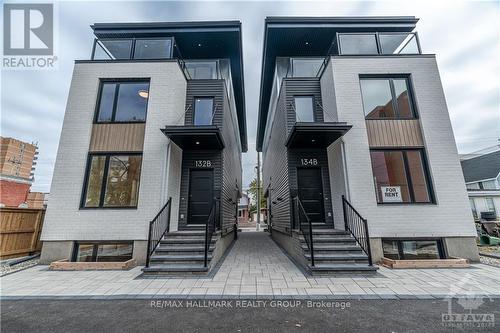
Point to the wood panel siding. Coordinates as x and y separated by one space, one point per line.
117 137
394 133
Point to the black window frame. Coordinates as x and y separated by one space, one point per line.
313 100
427 174
214 109
391 77
104 179
103 81
439 241
95 244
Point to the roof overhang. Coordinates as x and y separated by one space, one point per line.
195 40
287 37
207 137
315 135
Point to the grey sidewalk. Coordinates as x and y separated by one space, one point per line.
255 267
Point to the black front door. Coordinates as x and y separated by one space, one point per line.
201 187
310 186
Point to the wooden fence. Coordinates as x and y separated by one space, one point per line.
20 230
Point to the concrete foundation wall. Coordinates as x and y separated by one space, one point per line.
56 250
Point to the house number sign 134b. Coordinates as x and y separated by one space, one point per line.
309 161
203 163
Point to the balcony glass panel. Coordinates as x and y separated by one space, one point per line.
358 44
398 44
114 49
306 67
202 69
153 49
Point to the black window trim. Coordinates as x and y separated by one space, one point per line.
391 77
214 109
440 245
427 175
118 81
95 245
104 178
313 101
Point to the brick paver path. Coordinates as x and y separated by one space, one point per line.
255 267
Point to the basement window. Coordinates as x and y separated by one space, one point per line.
103 252
402 249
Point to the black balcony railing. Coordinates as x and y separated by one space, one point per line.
158 228
303 222
358 227
210 228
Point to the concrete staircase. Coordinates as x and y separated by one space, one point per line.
335 251
180 253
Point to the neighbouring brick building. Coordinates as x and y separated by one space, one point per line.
17 165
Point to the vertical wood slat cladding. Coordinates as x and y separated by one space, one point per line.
117 137
275 167
394 133
205 88
188 162
231 171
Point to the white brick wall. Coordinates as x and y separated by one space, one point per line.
64 219
451 216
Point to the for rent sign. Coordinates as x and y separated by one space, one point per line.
391 194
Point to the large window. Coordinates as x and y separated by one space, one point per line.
490 205
386 98
400 176
103 252
203 110
304 108
112 181
124 101
412 249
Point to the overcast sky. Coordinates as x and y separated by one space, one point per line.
464 35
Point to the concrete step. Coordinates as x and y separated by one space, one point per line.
158 259
342 268
176 269
331 239
329 232
189 234
185 240
337 257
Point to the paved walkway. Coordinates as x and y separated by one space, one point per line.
255 267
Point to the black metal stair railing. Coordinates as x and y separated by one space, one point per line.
210 229
303 222
358 227
158 228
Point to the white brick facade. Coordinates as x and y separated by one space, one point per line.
451 216
65 220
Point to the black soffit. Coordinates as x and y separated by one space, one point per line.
195 40
287 37
316 135
207 137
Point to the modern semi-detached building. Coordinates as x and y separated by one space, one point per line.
149 160
359 158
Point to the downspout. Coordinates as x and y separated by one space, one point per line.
346 173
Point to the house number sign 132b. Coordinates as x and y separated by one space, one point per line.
309 161
203 163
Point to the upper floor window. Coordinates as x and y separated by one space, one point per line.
386 98
122 101
112 180
304 108
400 176
203 110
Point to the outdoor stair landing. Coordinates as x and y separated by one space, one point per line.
180 253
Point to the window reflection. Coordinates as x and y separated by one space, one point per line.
152 49
304 108
398 44
358 44
122 183
129 105
203 111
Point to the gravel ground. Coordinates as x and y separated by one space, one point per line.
6 269
494 250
